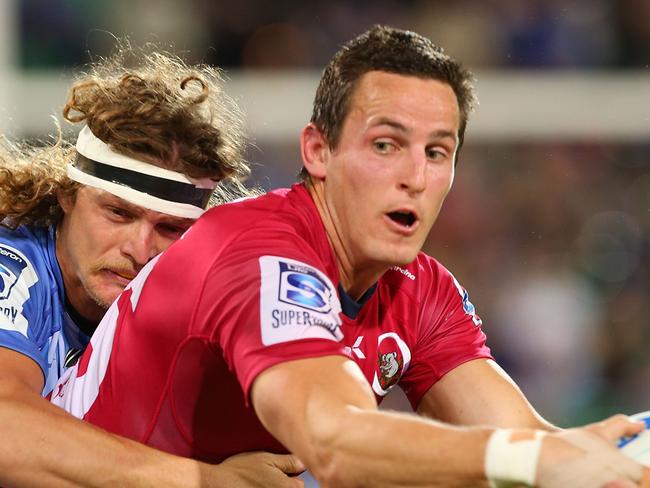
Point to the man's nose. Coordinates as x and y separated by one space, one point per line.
141 243
413 174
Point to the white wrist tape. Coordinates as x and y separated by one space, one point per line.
511 457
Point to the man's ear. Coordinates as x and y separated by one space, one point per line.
315 151
66 200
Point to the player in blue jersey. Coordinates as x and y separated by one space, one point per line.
78 222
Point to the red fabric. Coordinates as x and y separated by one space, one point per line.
184 360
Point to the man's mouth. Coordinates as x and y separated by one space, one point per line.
126 275
404 218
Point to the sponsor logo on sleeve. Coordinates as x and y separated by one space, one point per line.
17 276
468 306
297 301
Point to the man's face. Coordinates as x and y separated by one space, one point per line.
393 167
102 243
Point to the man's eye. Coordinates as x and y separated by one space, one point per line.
435 154
119 212
172 229
384 146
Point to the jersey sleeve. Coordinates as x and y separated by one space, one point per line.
272 306
21 304
449 334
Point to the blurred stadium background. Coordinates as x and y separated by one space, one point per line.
548 225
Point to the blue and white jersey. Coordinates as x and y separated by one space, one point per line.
33 319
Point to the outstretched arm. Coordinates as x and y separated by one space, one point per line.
493 398
42 445
323 410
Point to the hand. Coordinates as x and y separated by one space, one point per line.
260 470
587 457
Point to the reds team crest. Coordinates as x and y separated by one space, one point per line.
393 358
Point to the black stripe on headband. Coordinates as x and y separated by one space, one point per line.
172 191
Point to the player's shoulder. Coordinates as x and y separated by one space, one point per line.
424 282
427 285
420 274
25 251
282 212
24 236
26 274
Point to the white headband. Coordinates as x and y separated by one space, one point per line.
140 183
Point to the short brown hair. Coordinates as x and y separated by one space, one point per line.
392 50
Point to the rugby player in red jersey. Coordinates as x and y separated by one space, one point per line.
280 322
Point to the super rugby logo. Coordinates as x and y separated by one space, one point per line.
297 301
393 358
300 285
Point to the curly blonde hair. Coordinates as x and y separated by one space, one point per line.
145 104
30 178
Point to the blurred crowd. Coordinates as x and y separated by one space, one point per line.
283 33
553 244
551 240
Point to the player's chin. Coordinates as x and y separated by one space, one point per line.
104 294
400 255
404 259
407 250
393 250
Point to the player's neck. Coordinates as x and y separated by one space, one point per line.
355 278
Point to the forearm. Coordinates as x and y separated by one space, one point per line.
382 449
386 449
493 399
333 426
41 445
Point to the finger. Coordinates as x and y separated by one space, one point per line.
286 463
645 480
597 466
297 483
616 427
621 484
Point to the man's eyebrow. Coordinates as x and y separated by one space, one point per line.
389 122
177 221
442 133
139 211
436 134
111 199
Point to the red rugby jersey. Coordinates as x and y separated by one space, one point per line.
252 284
